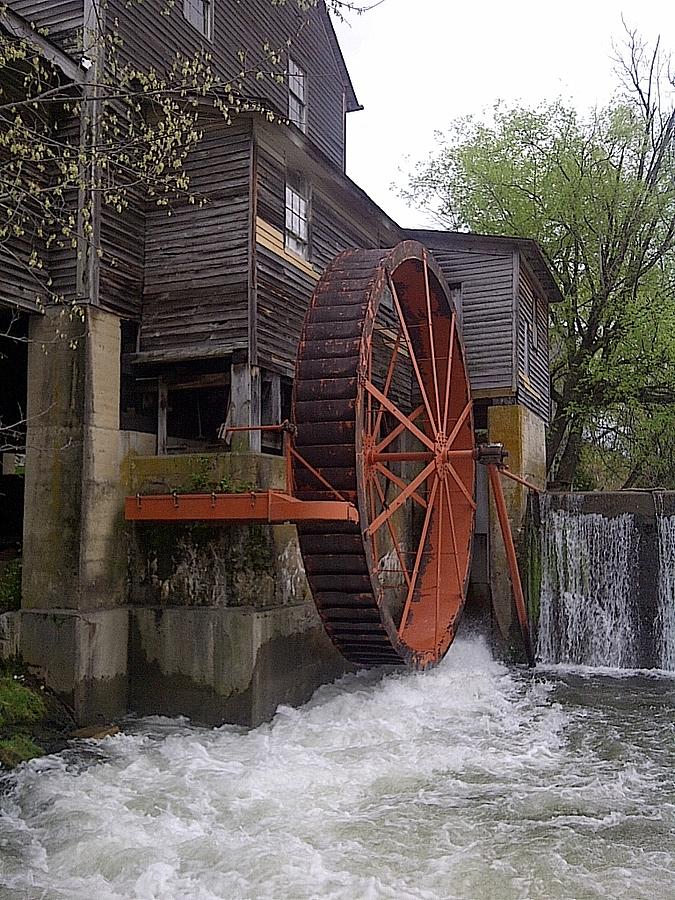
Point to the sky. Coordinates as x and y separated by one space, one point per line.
418 64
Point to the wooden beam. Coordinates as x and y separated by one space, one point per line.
21 28
162 409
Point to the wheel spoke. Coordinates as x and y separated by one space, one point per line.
372 512
453 532
387 383
458 424
439 558
393 536
399 500
369 409
395 411
448 375
460 484
411 351
399 482
391 437
430 325
420 553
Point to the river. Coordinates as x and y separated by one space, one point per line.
475 780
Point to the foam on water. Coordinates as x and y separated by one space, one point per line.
469 781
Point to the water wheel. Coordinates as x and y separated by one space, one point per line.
384 420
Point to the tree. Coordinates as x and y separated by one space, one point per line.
105 133
598 194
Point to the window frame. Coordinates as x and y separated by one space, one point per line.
297 93
297 240
208 7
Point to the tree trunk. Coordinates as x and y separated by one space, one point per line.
569 461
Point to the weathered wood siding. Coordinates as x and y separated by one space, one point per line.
153 39
195 295
487 280
61 18
284 283
533 361
122 263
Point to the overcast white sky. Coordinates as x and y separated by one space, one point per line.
418 64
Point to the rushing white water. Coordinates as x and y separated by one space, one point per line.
588 613
469 781
665 623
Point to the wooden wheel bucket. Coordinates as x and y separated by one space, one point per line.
383 415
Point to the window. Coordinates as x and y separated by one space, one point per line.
297 226
297 95
199 14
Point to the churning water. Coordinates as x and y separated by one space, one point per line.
470 781
588 613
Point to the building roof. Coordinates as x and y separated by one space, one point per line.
352 103
530 249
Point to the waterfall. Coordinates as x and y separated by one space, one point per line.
665 620
587 604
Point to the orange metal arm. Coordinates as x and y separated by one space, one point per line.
500 503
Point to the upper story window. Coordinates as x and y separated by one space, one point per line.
297 216
199 14
297 95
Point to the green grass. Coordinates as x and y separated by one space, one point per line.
17 749
10 586
18 704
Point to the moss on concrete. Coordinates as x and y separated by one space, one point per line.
32 720
17 749
10 586
18 703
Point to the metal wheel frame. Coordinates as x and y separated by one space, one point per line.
347 429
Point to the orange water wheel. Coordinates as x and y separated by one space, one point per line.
383 414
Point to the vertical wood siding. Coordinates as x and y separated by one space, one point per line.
533 388
195 296
152 39
487 311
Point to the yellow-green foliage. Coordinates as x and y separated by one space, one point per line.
18 749
10 586
18 704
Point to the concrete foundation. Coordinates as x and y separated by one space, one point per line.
215 623
523 434
227 665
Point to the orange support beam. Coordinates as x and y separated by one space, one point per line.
261 507
503 516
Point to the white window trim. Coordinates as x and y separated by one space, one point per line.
296 217
207 30
297 93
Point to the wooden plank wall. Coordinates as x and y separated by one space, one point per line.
284 282
195 296
534 385
152 39
487 312
122 264
62 18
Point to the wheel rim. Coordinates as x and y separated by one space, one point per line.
392 380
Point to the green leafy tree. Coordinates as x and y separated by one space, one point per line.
598 194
